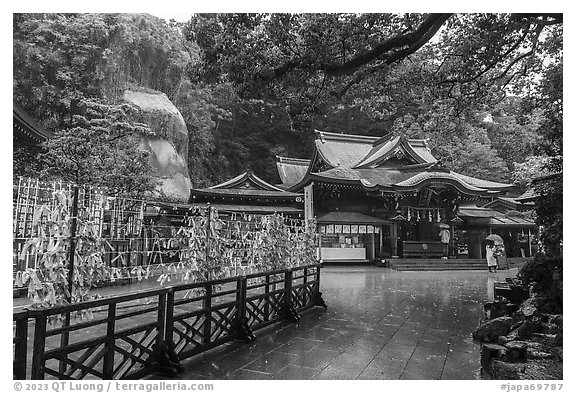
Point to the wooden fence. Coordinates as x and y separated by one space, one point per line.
128 336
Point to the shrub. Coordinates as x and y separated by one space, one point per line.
541 272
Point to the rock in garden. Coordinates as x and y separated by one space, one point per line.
490 330
489 352
531 306
528 328
532 353
559 338
560 354
516 351
549 340
556 320
501 308
550 328
504 370
543 369
528 310
503 340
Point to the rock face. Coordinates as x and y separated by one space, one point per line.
169 148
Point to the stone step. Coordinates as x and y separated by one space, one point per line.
436 263
439 267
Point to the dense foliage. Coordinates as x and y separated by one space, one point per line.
471 91
97 147
67 64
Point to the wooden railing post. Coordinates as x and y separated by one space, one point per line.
305 298
207 305
161 316
240 322
169 329
288 286
241 298
267 301
208 235
164 355
108 367
21 348
288 311
39 346
317 296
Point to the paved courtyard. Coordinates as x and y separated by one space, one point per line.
380 324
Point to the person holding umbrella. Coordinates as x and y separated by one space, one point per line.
494 245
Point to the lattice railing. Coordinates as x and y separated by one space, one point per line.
126 337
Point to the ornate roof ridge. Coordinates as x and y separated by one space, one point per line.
240 192
292 160
387 137
488 183
325 135
425 176
244 177
382 151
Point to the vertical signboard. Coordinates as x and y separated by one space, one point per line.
308 202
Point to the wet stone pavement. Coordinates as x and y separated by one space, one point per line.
380 324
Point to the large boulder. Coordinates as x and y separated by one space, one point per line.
169 148
490 330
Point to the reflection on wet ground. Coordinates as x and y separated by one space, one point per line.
380 324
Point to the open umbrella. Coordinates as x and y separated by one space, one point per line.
496 239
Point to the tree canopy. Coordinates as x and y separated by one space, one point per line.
485 89
97 147
471 83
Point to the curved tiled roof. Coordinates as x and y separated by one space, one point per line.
437 177
483 183
247 178
245 192
244 186
364 161
417 149
485 216
29 127
291 170
342 149
401 179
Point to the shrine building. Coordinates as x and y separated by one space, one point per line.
389 197
248 194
